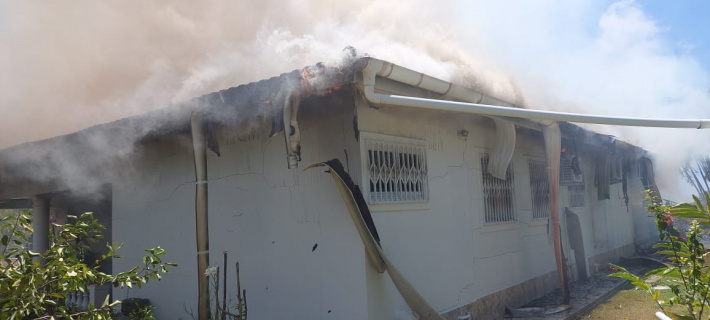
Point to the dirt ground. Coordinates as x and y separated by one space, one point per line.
628 303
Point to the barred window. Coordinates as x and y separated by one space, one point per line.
397 172
497 195
540 187
577 195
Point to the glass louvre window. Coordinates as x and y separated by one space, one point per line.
397 172
540 187
497 195
568 175
577 197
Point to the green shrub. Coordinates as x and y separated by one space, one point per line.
31 290
687 274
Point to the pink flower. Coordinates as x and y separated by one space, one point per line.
670 218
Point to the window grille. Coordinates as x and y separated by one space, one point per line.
397 172
577 196
540 187
497 195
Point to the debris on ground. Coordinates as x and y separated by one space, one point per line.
583 294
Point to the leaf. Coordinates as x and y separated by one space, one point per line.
106 301
688 211
5 240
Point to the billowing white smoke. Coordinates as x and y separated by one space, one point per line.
66 67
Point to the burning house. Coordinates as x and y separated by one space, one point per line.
417 202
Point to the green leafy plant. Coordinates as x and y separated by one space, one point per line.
33 290
144 313
687 274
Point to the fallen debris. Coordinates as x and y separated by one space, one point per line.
530 312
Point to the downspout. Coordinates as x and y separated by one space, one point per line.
197 125
292 133
553 144
40 225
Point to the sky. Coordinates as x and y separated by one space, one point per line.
685 23
67 67
625 58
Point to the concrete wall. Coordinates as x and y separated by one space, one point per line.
445 248
299 254
270 219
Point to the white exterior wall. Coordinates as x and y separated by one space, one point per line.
265 216
445 248
608 224
269 218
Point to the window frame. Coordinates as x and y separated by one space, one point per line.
366 138
533 184
582 193
510 174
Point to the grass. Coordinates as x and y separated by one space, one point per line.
629 303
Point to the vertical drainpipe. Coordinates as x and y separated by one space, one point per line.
553 144
40 224
292 133
197 125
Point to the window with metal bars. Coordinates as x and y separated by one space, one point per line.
498 199
540 188
577 195
397 172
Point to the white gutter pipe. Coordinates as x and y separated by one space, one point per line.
478 103
490 110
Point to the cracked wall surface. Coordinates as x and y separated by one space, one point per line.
298 250
445 247
289 229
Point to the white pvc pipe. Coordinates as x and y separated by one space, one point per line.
40 225
662 316
444 105
476 102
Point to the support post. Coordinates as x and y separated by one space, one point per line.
197 124
40 224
